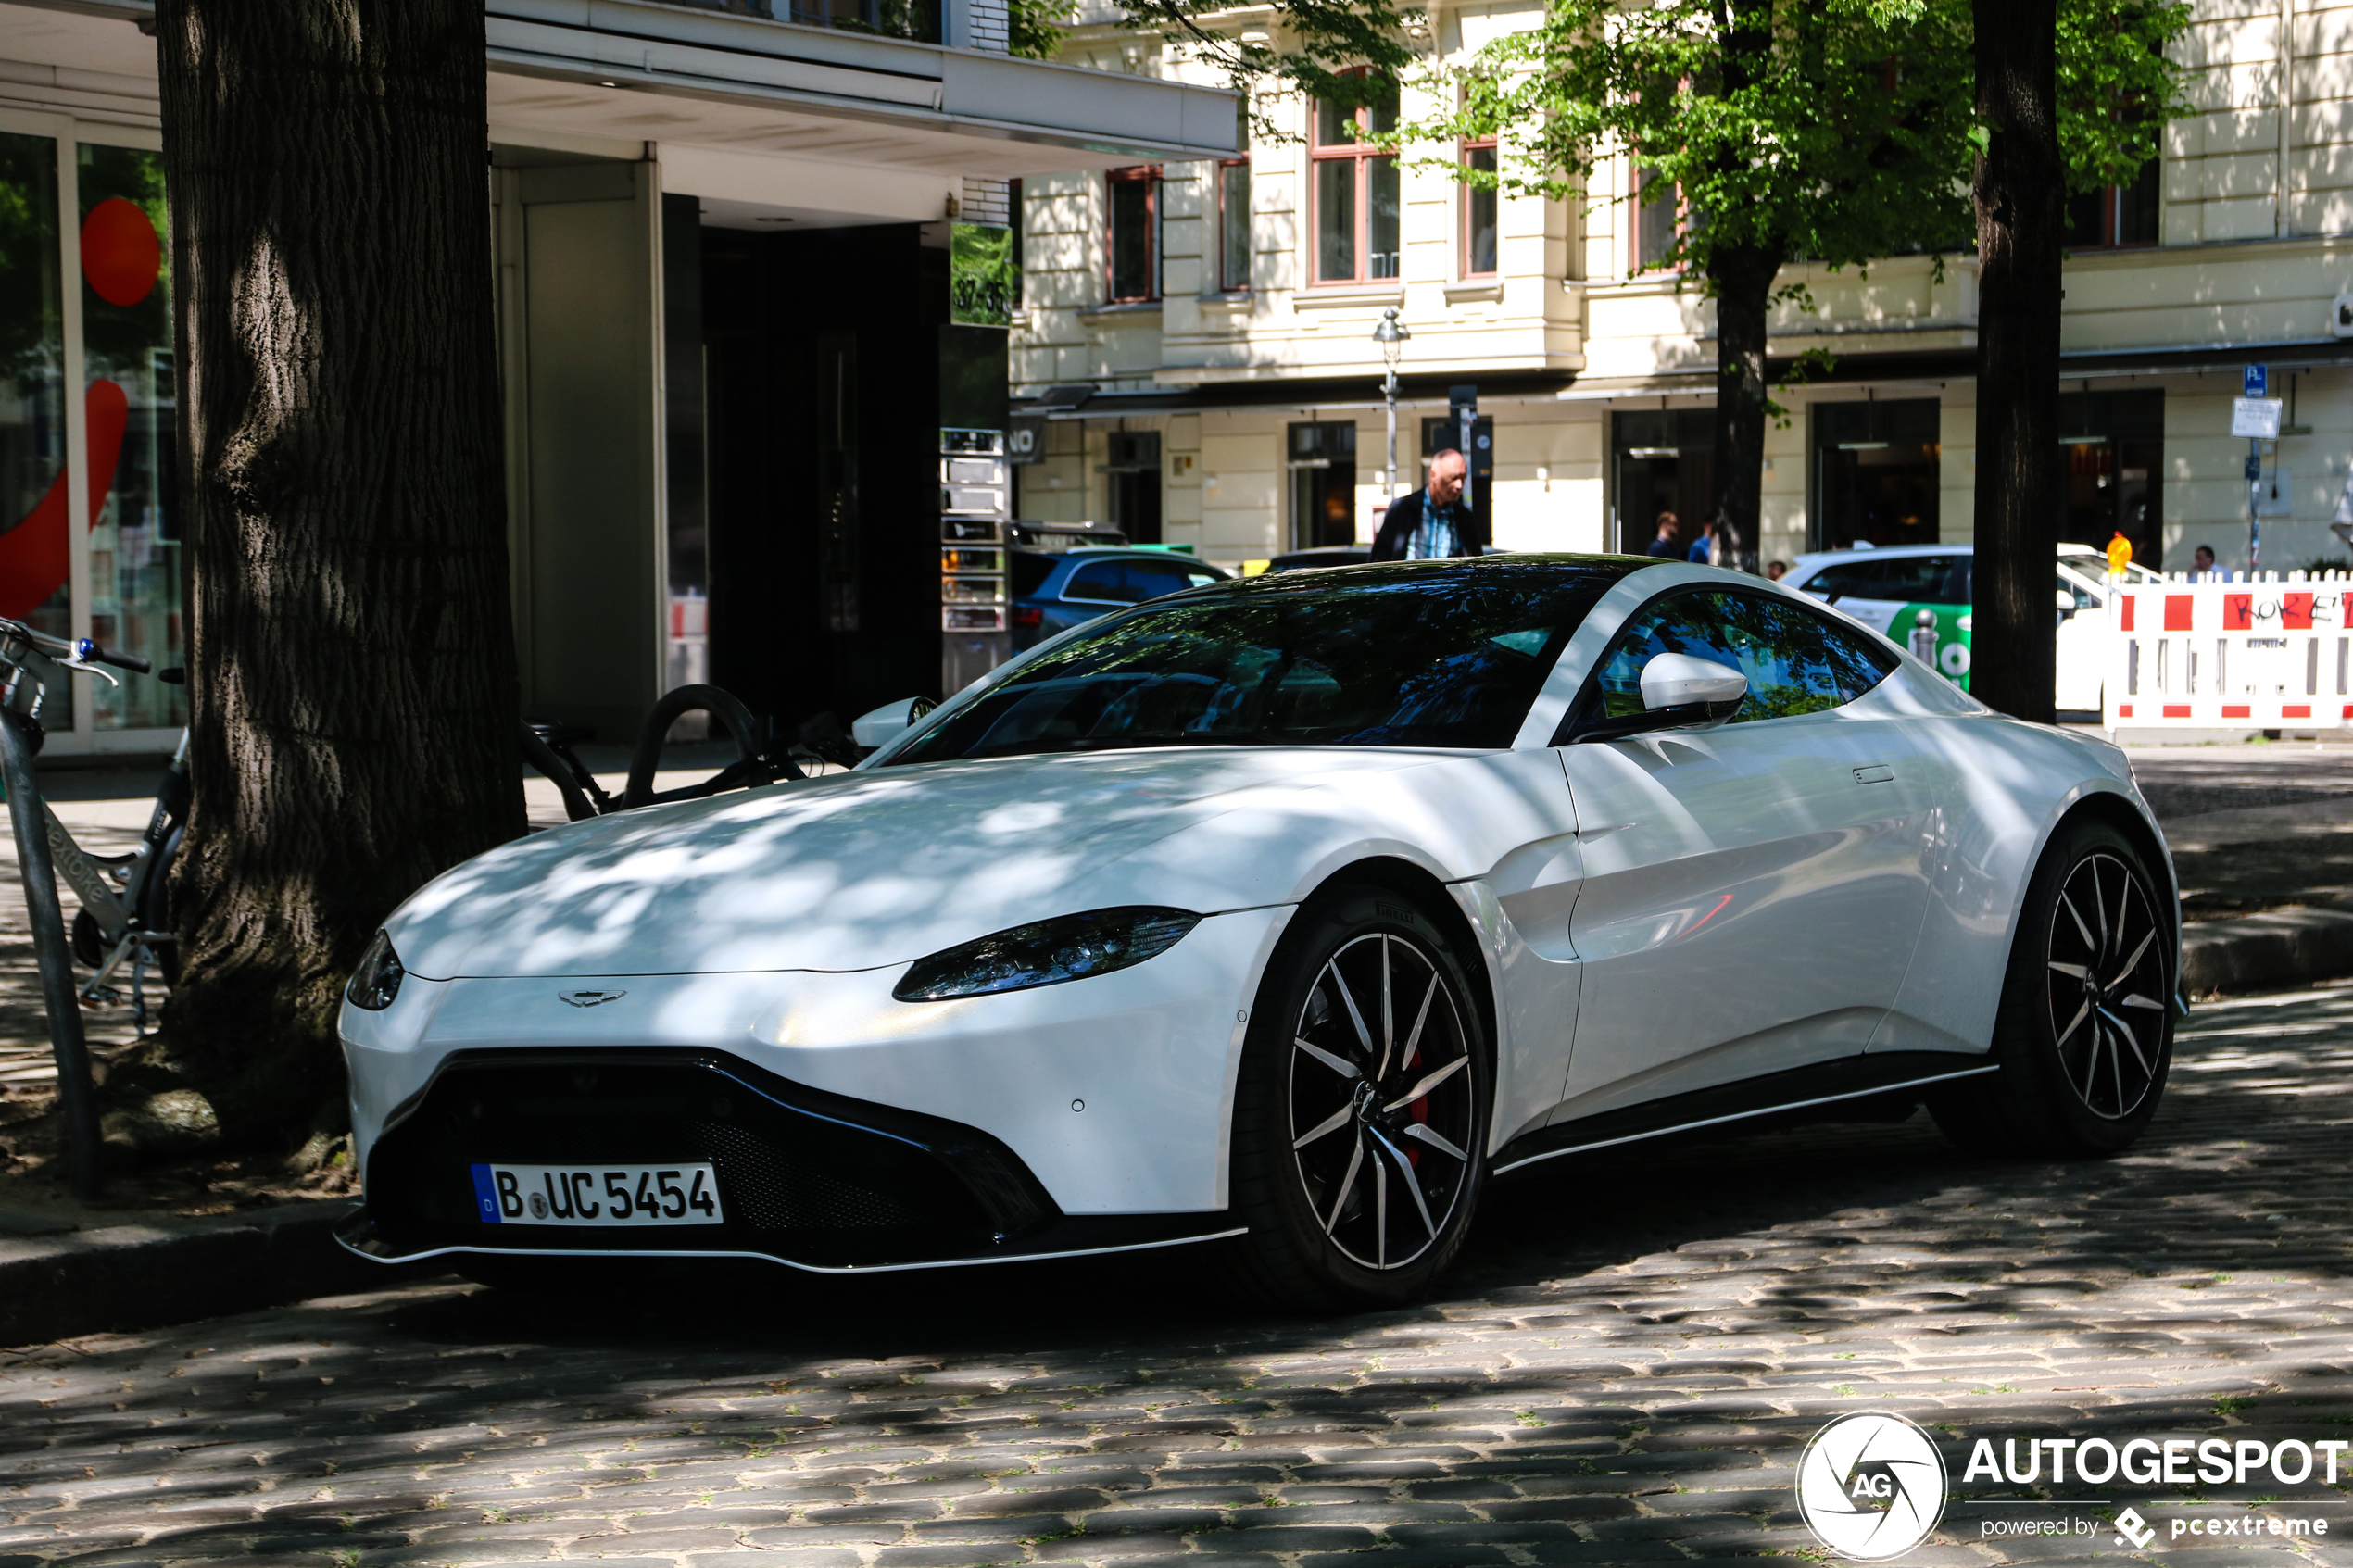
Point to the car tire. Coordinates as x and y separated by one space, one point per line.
1357 1192
2084 1034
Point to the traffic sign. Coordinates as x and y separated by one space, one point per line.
2256 417
2259 381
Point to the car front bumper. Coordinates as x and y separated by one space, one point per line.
814 1180
1111 1094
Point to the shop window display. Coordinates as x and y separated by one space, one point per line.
134 533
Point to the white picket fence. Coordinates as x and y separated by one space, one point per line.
2261 651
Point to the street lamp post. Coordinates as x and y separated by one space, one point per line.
1391 336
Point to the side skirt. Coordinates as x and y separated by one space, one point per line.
1801 1094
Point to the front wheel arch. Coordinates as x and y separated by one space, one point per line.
1428 894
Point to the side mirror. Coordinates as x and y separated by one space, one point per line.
2066 601
1678 680
886 723
1679 692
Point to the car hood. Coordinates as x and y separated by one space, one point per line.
855 871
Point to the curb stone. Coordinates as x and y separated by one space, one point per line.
2274 948
167 1269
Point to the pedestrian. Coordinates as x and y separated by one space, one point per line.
1431 523
1776 569
2202 561
1664 545
1703 551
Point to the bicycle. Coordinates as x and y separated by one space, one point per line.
548 747
30 668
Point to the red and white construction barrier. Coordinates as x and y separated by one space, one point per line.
2268 653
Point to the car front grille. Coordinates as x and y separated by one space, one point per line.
803 1175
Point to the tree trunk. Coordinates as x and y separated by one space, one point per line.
351 663
2021 191
1743 278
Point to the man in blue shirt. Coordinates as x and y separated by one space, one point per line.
1703 551
1663 547
1431 523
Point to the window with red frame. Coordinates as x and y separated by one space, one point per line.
1479 212
1233 226
2116 217
1356 194
1131 260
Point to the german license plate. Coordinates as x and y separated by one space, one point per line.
598 1195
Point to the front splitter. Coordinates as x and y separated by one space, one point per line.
1079 1237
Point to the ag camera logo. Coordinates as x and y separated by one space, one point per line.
1872 1485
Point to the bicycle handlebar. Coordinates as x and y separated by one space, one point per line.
89 652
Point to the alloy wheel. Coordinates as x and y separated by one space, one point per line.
2106 987
1383 1116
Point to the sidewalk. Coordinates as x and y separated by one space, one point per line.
2262 842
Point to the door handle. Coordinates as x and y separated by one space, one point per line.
1876 774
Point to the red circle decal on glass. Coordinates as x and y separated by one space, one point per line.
120 255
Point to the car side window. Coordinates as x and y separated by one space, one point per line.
1903 578
1861 660
1784 650
1149 579
1100 581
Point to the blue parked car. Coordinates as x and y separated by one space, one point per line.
1054 590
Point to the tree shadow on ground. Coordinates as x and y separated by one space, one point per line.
1624 1364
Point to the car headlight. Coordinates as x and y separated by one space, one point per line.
1046 954
377 980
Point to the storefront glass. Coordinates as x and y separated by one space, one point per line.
126 333
1663 461
2114 445
1876 474
33 426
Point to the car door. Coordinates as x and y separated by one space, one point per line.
1753 892
2081 644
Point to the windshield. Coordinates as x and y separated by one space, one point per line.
1437 654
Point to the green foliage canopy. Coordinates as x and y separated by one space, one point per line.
1833 130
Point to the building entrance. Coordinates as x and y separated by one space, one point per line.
1133 476
1875 475
1322 460
2113 444
1662 460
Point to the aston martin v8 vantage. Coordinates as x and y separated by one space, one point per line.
1278 915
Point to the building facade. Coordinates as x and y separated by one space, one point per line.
722 237
1212 321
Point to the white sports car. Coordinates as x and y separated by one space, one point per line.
1282 914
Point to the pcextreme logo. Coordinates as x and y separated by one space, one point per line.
1872 1485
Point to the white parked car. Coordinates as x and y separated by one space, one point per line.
1887 589
1280 914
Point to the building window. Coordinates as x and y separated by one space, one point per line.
1479 212
1134 248
1233 226
1658 218
1356 194
2115 217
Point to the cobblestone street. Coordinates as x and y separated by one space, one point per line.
1624 1371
